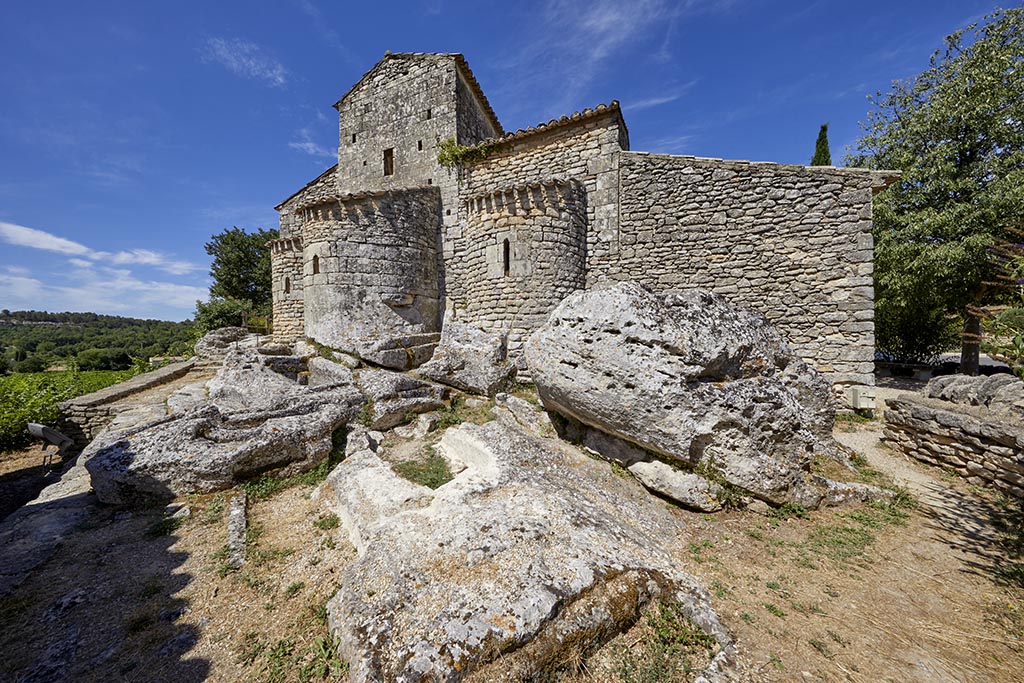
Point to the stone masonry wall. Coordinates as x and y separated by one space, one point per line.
377 260
583 150
322 188
791 242
286 287
953 425
544 228
405 105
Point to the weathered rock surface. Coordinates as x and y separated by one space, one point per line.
1002 393
494 575
215 344
686 488
255 421
395 397
691 379
469 359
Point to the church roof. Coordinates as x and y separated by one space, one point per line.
460 61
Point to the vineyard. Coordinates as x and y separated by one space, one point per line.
33 397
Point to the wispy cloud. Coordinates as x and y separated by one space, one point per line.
577 38
672 144
22 236
306 144
321 25
671 96
247 59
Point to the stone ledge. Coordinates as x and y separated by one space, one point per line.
131 386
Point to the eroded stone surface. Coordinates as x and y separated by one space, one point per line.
532 546
255 421
469 359
691 379
394 397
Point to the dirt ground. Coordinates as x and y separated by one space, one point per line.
869 593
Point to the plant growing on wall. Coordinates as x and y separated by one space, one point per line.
451 154
956 133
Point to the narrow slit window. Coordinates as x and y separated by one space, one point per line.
428 114
316 264
505 257
389 161
419 145
287 285
353 137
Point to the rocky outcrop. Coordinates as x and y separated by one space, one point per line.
469 359
255 421
698 384
215 344
394 398
495 575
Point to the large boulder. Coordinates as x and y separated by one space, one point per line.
469 359
697 383
532 549
215 344
394 398
254 422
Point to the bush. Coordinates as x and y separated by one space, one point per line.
217 313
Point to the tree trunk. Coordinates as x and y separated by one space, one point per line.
971 348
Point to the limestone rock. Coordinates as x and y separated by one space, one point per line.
493 575
423 425
469 359
216 343
688 489
691 379
324 372
255 421
395 397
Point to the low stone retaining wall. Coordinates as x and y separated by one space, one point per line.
83 417
973 425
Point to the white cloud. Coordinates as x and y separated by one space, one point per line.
245 58
108 291
306 144
658 100
21 236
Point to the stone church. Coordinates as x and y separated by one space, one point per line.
376 252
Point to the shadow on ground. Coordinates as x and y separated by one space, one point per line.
97 601
989 531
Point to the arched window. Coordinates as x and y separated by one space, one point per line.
505 257
316 264
287 285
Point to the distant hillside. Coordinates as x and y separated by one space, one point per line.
31 341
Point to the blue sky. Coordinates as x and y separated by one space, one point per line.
132 131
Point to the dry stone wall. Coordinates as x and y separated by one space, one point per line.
791 242
370 268
963 429
526 250
82 418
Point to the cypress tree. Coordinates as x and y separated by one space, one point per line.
822 157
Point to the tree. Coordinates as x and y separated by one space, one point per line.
822 156
241 266
956 131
